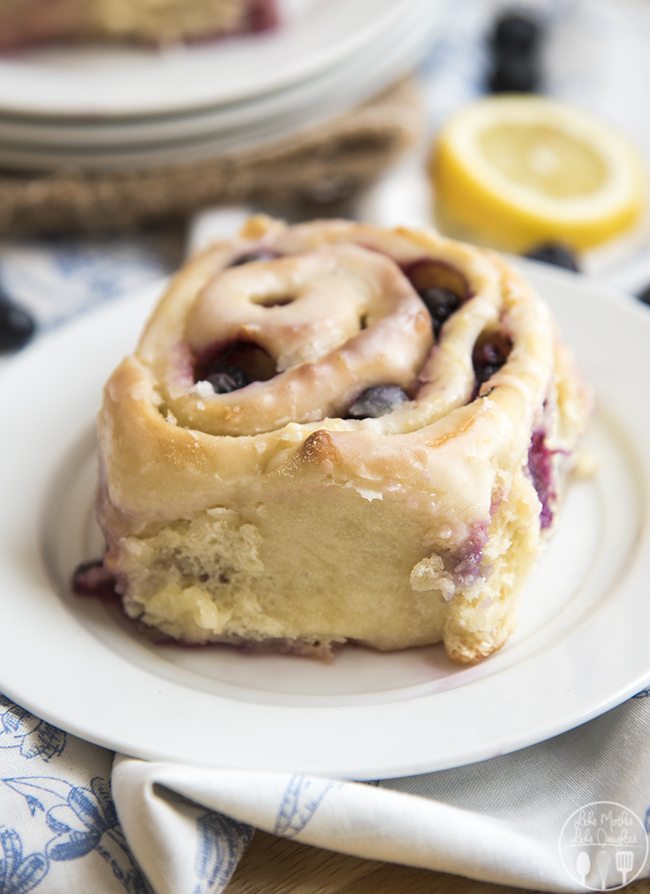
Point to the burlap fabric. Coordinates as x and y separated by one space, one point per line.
336 157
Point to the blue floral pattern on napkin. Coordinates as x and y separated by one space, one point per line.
55 811
301 799
221 845
63 814
82 820
19 873
34 737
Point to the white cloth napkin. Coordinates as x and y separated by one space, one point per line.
498 821
175 829
74 820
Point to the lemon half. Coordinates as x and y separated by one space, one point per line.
512 171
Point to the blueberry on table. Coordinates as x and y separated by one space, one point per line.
514 74
377 401
16 326
516 32
441 304
644 295
554 253
228 379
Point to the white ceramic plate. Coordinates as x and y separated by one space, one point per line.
581 645
89 82
234 127
422 17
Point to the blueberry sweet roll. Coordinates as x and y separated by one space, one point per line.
333 432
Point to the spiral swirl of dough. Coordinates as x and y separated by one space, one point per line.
336 313
335 306
333 320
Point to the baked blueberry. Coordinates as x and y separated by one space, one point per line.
440 285
233 366
540 466
228 379
554 253
377 401
441 304
94 579
516 32
431 273
488 357
16 326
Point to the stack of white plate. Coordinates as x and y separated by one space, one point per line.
108 108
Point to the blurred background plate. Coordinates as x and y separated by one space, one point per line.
419 15
177 139
96 82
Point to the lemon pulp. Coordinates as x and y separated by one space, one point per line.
513 171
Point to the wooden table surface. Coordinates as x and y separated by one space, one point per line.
277 866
